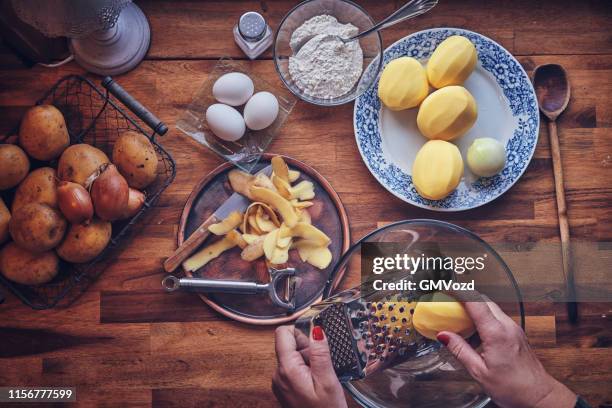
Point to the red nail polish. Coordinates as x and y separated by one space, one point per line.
443 338
317 333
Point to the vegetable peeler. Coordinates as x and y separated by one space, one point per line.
171 283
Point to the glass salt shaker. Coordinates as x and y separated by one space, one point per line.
252 34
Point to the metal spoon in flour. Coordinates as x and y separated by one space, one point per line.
407 11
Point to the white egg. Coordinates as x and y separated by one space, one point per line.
225 122
486 157
261 110
233 89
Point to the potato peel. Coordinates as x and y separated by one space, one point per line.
229 223
280 169
208 253
276 201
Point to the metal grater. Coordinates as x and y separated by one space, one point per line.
365 335
335 323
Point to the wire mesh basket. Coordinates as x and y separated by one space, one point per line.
93 116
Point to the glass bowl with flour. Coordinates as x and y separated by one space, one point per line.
315 64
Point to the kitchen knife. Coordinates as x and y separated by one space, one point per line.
236 202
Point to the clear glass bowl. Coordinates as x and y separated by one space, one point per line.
346 12
433 378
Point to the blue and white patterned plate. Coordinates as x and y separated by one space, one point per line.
507 110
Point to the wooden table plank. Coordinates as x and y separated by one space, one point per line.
127 343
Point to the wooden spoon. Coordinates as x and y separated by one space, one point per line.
553 91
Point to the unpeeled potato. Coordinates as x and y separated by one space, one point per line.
37 227
80 161
14 166
5 217
84 242
43 134
135 157
27 268
40 186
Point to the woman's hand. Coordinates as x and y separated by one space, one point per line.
298 384
507 368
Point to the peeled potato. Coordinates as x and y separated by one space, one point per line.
403 84
135 157
437 169
440 312
27 268
447 113
452 62
43 134
14 166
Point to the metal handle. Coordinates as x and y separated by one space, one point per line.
172 283
411 9
132 104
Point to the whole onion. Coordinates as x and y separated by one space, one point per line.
109 193
136 199
74 202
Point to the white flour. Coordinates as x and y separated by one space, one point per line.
324 67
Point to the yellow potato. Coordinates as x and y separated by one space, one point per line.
277 202
37 227
440 312
403 84
304 216
14 166
452 62
84 242
27 268
226 225
43 134
5 218
80 161
40 186
437 169
135 158
447 113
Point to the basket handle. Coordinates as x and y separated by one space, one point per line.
132 104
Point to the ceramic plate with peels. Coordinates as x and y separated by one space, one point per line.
328 214
507 111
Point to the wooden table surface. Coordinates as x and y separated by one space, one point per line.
127 343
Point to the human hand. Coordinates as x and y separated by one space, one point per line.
305 378
506 368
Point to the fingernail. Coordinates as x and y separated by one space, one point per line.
317 333
443 338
